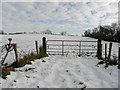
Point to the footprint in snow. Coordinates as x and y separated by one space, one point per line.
14 80
43 61
81 83
27 76
66 70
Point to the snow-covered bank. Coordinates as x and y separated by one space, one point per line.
63 72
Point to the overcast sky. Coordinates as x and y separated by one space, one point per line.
72 17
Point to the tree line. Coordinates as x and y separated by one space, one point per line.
106 32
34 32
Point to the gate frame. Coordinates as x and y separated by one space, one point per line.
47 45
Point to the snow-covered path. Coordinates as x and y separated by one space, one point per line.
63 72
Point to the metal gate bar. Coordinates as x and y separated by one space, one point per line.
60 46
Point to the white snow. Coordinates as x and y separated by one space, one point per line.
68 71
63 72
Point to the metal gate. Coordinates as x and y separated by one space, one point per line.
62 47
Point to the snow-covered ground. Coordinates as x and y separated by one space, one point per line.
68 71
63 72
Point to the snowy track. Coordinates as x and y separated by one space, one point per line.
63 72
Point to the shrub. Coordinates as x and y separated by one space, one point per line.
30 57
113 62
6 71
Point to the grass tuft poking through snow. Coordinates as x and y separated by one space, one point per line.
108 63
6 71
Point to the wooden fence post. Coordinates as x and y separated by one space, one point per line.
105 51
16 53
44 44
99 49
36 44
62 47
110 48
79 49
119 58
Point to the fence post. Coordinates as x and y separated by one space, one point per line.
119 58
44 44
105 51
36 44
62 47
79 49
99 49
110 48
4 58
16 53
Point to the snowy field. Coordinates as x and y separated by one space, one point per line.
68 71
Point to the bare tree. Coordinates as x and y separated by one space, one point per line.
63 33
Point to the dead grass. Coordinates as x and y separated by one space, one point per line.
23 61
6 71
110 62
